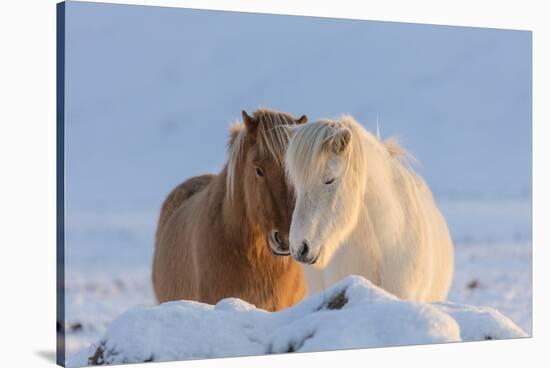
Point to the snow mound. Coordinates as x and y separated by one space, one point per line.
352 314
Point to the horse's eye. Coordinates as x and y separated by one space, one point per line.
330 181
259 172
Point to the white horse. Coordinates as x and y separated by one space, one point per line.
361 210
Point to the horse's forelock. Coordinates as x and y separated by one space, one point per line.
310 148
271 139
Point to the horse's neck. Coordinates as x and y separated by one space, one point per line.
363 251
383 207
231 212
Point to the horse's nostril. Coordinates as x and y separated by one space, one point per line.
304 250
278 238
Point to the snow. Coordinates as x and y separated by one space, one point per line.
352 314
146 97
108 271
501 276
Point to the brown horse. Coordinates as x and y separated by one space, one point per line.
216 233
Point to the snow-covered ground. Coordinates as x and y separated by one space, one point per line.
109 270
352 314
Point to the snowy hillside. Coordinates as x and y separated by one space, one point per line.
149 87
110 254
150 90
352 314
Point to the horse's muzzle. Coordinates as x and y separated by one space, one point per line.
303 255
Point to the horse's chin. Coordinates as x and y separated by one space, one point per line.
318 265
320 261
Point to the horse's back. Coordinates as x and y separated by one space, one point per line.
179 195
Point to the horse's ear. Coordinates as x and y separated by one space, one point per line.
249 122
341 140
301 120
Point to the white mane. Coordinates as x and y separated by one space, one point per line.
310 148
311 144
397 225
367 157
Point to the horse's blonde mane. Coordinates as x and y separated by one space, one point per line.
310 147
312 143
397 151
271 139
